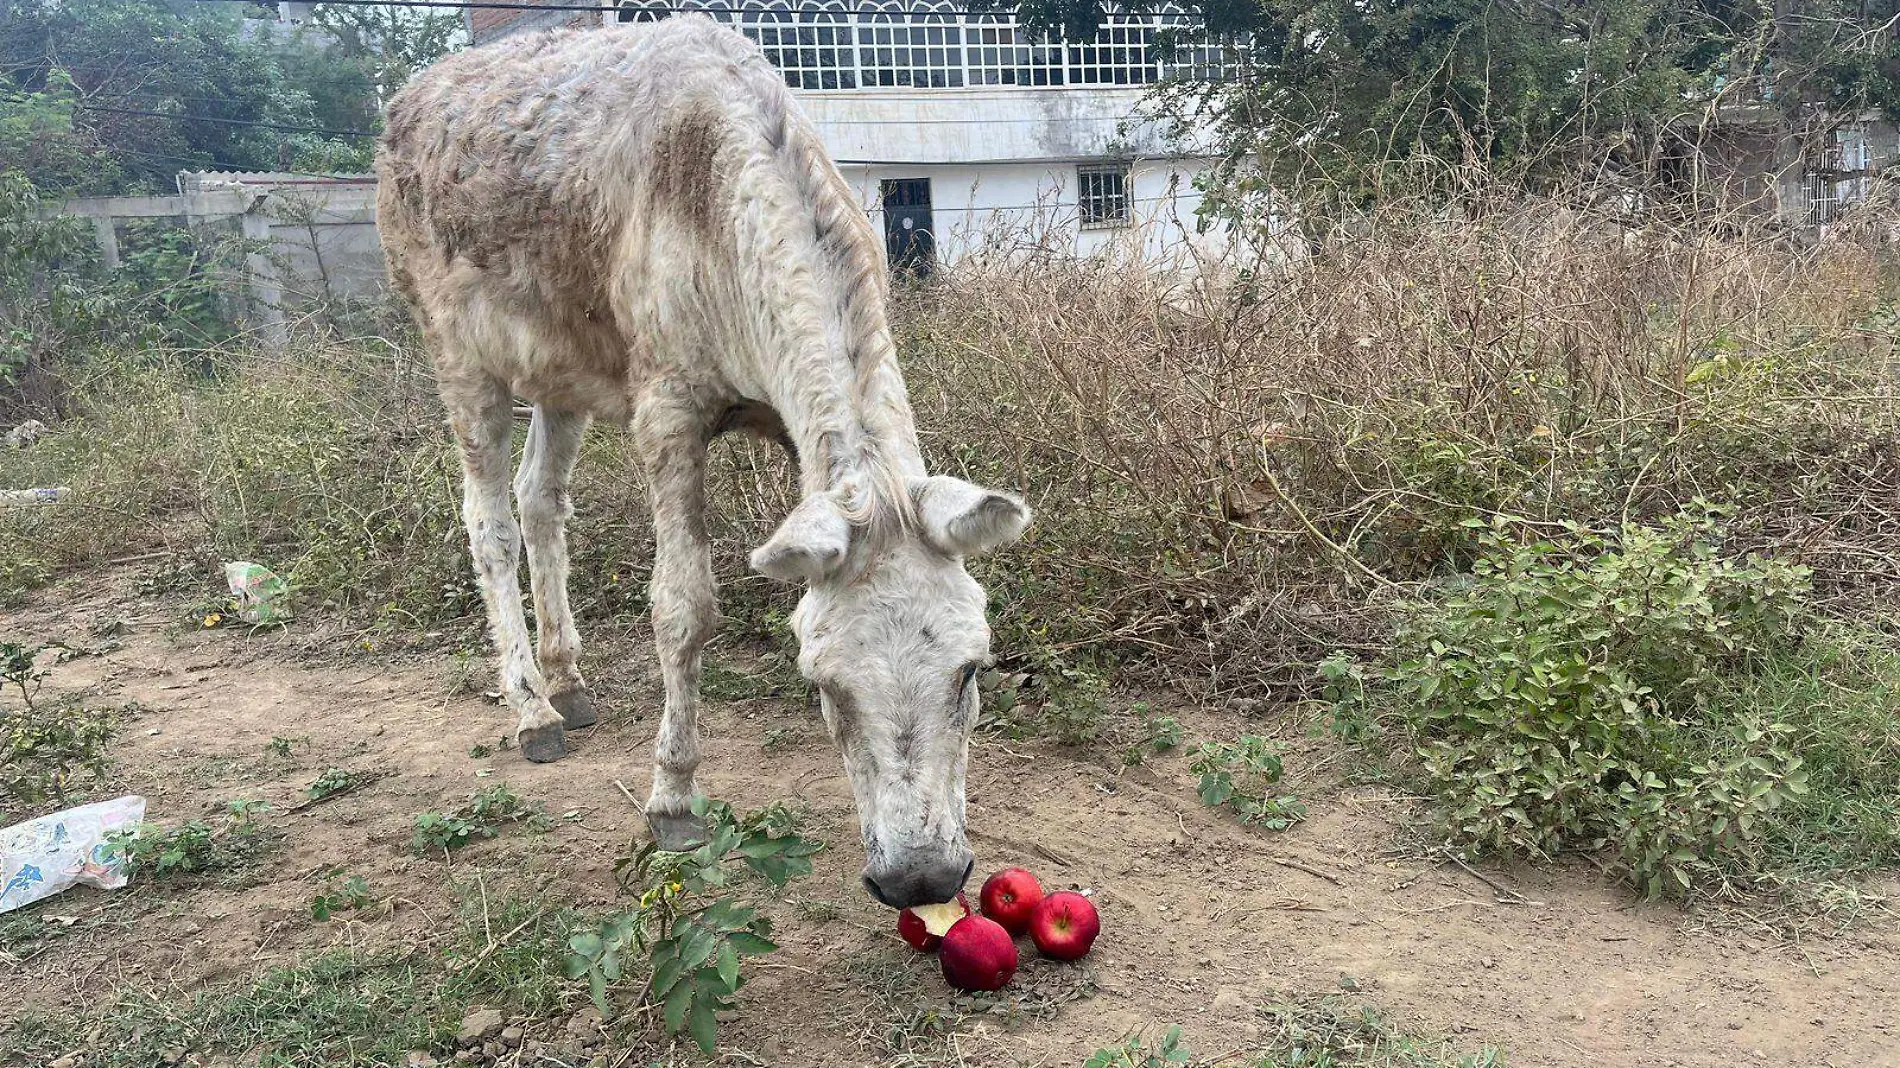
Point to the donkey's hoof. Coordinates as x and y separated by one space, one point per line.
542 744
677 834
576 708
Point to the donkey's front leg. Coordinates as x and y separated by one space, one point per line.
672 440
481 411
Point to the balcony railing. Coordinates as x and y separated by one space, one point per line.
839 44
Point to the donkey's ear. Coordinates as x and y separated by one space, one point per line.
809 546
965 519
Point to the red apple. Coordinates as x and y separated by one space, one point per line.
924 926
1009 897
1064 926
977 954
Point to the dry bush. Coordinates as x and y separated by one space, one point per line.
1230 468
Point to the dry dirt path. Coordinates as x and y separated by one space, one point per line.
1203 920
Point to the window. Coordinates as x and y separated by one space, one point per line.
1103 192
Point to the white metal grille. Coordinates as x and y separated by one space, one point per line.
1823 195
933 44
1102 194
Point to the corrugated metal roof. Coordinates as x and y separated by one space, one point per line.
200 181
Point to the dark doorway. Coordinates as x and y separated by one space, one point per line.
907 227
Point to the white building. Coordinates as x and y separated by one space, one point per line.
959 130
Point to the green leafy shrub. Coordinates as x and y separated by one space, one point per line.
690 935
1240 774
1570 695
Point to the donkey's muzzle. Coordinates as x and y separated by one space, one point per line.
920 877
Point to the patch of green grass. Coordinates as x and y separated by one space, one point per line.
1839 696
340 1009
1309 1032
1331 1032
773 675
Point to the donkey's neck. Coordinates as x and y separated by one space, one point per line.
850 428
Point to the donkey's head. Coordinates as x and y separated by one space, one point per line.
893 634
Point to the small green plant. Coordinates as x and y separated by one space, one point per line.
1343 690
1136 1052
690 935
483 816
1159 735
334 781
479 751
779 739
43 747
352 895
437 831
195 847
1240 774
280 746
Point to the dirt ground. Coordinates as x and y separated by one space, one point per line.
1204 920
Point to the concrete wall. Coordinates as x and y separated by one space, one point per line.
306 244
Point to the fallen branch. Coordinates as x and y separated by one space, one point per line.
1505 893
1297 866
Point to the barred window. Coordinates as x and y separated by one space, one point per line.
1103 195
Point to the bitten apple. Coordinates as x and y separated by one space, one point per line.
1009 896
924 926
1064 926
977 954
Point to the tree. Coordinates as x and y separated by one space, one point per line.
156 86
1356 91
388 45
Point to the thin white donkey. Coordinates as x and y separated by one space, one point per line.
637 224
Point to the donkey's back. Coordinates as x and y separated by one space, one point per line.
592 193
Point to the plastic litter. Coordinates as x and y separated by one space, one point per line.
263 596
38 495
43 856
25 434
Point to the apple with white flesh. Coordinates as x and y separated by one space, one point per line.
923 926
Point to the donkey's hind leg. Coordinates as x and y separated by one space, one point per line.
672 438
481 411
541 485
